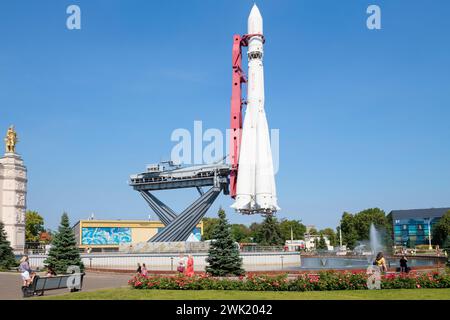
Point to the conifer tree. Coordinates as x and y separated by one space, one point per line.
223 256
7 259
64 251
269 233
322 245
316 243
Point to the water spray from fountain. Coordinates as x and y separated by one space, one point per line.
375 241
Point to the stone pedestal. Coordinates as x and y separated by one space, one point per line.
165 247
13 192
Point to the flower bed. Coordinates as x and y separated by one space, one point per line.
327 280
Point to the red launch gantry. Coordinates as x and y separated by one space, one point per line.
237 103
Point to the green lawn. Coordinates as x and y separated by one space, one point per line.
126 293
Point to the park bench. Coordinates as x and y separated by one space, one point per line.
42 284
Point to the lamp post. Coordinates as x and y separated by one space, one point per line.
429 234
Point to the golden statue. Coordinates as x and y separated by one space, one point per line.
11 140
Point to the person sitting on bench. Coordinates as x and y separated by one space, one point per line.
26 272
50 272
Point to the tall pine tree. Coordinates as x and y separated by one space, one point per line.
269 233
64 251
322 245
223 257
7 259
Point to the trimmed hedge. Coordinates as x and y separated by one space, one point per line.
327 280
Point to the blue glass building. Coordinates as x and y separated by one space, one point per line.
411 227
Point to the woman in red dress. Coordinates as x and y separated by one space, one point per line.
190 266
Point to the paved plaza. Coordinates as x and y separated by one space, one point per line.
10 284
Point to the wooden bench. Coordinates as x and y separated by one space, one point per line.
42 284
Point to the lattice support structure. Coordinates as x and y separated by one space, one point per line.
181 227
178 227
164 213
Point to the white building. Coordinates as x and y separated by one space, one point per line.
310 242
295 245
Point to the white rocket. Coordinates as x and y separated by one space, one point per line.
256 192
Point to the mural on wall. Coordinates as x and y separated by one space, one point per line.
93 236
197 233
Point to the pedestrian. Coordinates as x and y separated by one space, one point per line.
139 269
380 262
144 271
190 266
50 272
181 264
404 264
26 272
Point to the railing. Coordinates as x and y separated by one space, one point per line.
262 249
203 249
252 261
35 248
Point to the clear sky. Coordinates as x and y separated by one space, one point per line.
363 114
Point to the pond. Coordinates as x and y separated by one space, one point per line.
313 263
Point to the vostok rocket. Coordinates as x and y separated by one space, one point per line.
256 191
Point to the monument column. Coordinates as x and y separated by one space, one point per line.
13 192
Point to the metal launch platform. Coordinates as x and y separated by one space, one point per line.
167 176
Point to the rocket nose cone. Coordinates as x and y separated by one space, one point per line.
255 21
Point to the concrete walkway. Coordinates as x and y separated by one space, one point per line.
10 284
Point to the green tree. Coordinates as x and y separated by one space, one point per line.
389 232
357 227
365 218
269 234
298 229
322 245
441 230
254 231
7 259
208 227
349 234
316 243
382 223
331 235
34 225
446 246
64 251
240 233
223 256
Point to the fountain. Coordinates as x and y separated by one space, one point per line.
364 255
375 241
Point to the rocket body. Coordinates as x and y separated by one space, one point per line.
256 191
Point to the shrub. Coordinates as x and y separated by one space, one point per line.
326 280
7 259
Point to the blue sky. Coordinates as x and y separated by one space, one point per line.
363 114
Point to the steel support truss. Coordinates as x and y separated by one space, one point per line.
178 227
